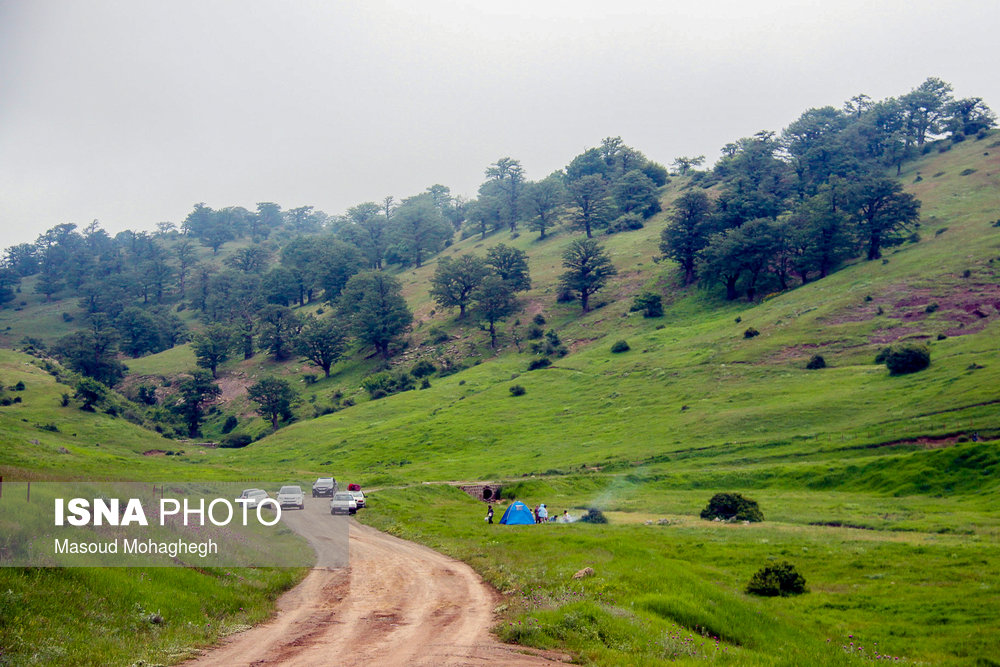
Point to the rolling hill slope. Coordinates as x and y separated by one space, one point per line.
691 381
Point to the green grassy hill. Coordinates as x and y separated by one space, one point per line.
692 387
870 484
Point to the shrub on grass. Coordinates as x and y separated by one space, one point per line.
147 394
19 386
538 319
450 368
438 336
626 223
594 515
535 364
619 347
235 440
550 346
732 507
321 410
230 424
422 369
778 579
817 362
750 333
907 358
649 303
518 390
384 383
931 308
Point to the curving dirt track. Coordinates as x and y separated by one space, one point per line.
398 603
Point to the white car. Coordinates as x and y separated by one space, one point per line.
343 503
291 496
359 498
255 496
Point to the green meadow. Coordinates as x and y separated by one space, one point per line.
665 592
883 491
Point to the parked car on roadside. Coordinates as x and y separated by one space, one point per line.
291 496
254 496
359 498
324 486
343 503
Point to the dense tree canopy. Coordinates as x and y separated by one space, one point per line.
588 267
321 341
373 304
193 397
273 397
454 281
493 301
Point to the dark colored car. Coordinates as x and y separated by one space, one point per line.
324 486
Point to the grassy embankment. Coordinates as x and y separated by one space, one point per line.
109 616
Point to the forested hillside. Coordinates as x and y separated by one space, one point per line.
259 293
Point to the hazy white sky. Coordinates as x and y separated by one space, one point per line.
131 111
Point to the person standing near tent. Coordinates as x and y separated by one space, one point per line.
535 512
489 514
543 514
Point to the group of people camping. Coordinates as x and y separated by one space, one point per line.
541 513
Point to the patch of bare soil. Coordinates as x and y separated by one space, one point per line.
928 442
961 308
154 452
233 386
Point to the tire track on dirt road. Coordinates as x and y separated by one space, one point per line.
398 603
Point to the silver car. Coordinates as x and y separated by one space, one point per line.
343 503
291 496
359 498
253 496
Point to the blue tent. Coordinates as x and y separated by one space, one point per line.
517 514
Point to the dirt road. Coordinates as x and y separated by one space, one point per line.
398 603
